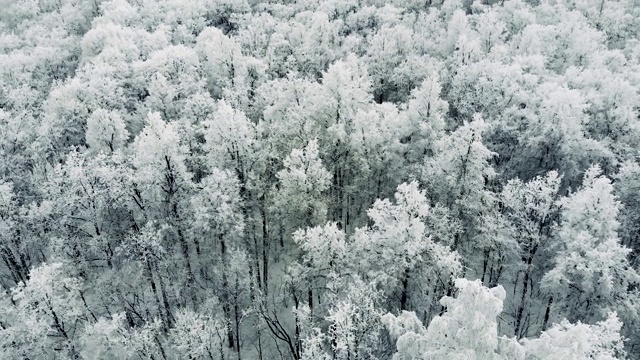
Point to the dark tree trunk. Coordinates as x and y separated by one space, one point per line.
405 290
547 314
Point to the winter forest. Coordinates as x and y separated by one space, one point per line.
320 179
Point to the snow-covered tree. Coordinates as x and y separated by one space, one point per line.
531 209
400 245
302 185
41 315
592 275
579 341
106 131
457 177
626 189
162 184
468 329
354 322
198 336
425 113
109 338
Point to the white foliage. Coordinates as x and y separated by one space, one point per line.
312 346
222 60
354 321
458 172
467 330
217 205
347 85
566 341
230 138
592 275
105 338
106 131
159 159
197 336
42 314
324 247
303 182
399 239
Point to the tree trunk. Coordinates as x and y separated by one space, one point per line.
405 290
226 306
161 305
236 314
546 314
525 288
174 217
191 280
297 339
165 300
523 298
265 252
484 265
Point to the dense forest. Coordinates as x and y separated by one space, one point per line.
320 180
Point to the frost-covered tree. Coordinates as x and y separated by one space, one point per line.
302 185
198 336
218 227
558 140
221 58
85 194
579 341
531 209
401 247
13 249
468 329
354 322
325 253
106 131
42 315
425 114
158 157
591 275
109 338
626 189
162 184
458 176
169 76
